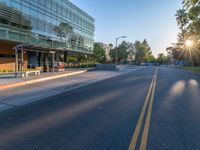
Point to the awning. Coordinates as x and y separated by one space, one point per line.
37 48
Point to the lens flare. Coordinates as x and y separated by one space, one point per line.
189 43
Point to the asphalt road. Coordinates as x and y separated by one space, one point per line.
151 108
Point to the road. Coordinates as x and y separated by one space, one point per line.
154 108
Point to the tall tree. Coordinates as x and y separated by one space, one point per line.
140 53
188 20
182 21
148 52
99 53
161 59
122 52
143 52
190 3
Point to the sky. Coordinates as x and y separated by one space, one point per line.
153 20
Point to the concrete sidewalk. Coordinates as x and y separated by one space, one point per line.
28 93
6 83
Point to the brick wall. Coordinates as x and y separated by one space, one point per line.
9 63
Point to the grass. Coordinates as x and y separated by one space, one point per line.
12 71
6 71
195 69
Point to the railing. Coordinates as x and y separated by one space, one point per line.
28 37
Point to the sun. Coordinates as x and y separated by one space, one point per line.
189 43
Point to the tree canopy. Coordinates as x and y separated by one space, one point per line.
122 52
188 21
143 52
99 53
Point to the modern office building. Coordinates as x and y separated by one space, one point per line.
32 31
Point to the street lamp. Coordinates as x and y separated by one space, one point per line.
121 37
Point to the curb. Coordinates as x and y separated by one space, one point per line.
91 69
196 73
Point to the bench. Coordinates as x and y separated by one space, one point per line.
35 72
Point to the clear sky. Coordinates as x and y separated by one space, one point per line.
153 20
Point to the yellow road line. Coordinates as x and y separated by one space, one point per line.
145 134
139 123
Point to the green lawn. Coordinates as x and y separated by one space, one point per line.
193 69
12 71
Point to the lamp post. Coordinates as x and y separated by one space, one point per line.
116 57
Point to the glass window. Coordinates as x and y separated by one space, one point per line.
72 16
63 11
48 19
49 4
54 6
25 9
34 13
41 16
16 5
7 2
7 55
42 2
35 1
68 14
59 10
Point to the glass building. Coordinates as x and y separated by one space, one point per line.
53 24
35 22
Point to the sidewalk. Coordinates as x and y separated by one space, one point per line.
28 93
11 82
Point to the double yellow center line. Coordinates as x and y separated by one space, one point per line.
148 102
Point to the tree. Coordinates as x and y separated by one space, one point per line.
64 30
178 49
72 58
148 52
99 53
122 52
140 53
162 58
151 58
111 45
190 3
188 21
182 21
143 52
112 54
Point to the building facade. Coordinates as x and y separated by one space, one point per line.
107 49
42 26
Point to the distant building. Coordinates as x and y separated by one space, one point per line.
107 49
131 53
38 29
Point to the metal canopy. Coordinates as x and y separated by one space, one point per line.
36 48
